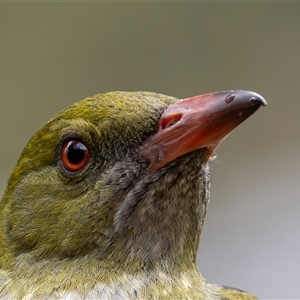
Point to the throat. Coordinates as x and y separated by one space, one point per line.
161 218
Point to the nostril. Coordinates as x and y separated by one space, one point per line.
229 98
170 120
254 99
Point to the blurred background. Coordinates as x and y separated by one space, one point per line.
54 54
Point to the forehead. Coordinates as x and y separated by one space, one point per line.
116 105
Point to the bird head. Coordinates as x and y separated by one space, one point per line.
122 177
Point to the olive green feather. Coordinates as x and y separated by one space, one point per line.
110 231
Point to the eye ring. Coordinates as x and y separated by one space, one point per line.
75 155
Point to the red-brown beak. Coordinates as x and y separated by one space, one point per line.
198 122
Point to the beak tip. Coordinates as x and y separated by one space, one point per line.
252 96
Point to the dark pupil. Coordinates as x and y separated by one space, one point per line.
76 153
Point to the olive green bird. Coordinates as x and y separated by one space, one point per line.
108 199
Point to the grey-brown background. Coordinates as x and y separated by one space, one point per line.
53 54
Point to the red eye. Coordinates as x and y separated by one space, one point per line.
75 155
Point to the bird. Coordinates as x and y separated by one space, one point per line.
108 198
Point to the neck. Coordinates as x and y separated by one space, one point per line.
160 220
